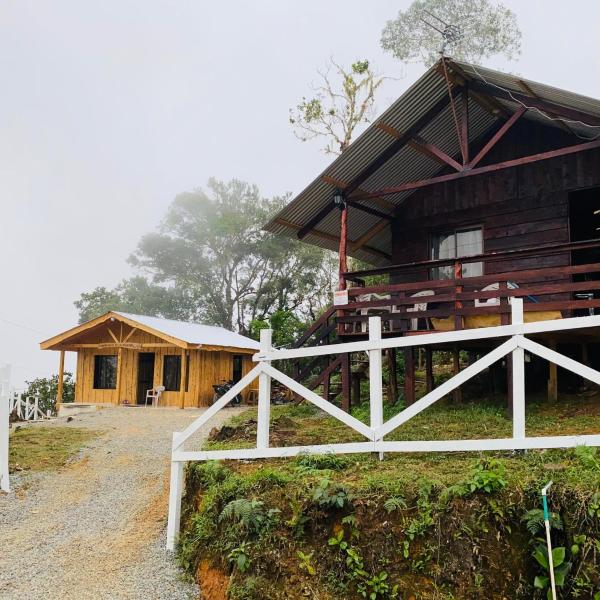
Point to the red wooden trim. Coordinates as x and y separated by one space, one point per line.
413 185
464 142
433 152
497 136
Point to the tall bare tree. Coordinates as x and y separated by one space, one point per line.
343 99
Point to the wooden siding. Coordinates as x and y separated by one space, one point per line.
517 208
206 368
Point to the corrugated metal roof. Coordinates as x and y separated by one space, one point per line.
194 333
408 164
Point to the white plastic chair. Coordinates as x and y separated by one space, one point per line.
376 309
154 395
420 306
494 301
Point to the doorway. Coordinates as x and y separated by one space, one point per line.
584 224
145 379
237 371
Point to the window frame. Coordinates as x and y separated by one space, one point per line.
454 232
168 358
98 382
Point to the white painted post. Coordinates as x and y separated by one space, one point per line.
518 375
36 408
4 416
375 377
175 493
264 395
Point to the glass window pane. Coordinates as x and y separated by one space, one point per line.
105 372
469 242
172 372
442 246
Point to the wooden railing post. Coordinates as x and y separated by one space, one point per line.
375 374
458 320
518 375
264 395
175 494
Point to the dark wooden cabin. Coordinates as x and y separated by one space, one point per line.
473 187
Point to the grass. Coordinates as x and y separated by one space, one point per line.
427 521
45 448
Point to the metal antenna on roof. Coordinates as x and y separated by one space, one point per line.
450 33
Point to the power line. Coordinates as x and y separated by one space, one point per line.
23 326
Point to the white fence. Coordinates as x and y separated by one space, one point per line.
4 412
27 408
516 344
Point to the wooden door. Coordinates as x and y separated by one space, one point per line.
145 379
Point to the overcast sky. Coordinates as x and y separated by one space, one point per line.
109 109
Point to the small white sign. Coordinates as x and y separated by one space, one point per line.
340 298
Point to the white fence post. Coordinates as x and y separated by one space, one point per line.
375 376
175 493
264 395
4 416
518 375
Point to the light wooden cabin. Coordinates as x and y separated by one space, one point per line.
121 356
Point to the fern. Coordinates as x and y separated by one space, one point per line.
534 521
249 514
394 503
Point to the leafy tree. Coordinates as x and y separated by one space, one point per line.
226 269
136 295
285 324
46 389
485 28
342 101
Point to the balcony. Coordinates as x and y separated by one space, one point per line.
412 302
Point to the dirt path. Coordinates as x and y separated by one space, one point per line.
96 528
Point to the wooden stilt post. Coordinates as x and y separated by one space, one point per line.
552 377
393 376
428 369
183 378
355 395
61 376
345 367
457 393
409 376
585 359
326 384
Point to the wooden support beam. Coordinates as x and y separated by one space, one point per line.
365 237
428 369
112 335
413 185
346 374
409 376
400 142
552 377
457 393
334 238
550 108
183 379
464 125
369 210
497 136
393 379
342 185
61 378
433 152
128 336
119 375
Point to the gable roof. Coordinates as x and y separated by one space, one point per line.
180 333
504 92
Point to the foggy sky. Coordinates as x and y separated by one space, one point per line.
109 109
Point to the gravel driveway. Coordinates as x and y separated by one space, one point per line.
96 528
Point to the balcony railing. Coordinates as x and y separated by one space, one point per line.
412 303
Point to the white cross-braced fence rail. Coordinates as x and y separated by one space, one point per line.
516 344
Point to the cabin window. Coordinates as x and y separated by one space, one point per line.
459 243
105 372
172 372
238 362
